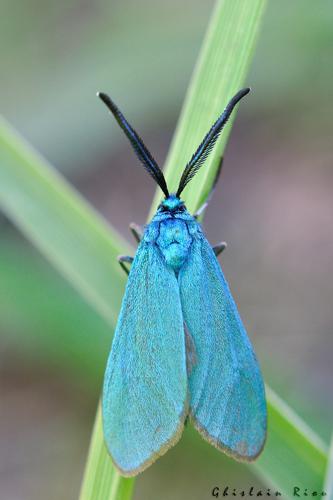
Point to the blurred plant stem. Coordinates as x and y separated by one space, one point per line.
83 248
328 485
102 481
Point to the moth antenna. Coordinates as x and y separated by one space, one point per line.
208 142
137 144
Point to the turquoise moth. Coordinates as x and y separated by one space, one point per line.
180 349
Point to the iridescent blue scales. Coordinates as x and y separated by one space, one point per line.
180 348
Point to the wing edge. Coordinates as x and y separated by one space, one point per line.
222 447
172 441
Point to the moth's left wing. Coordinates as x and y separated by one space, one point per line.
227 398
145 384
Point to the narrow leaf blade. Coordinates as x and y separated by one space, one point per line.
61 224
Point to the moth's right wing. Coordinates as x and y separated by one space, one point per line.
145 386
227 396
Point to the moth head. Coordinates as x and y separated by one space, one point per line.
172 202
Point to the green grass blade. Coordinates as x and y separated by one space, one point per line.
294 455
101 480
84 249
328 484
220 72
61 224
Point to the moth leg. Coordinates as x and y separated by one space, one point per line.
137 231
203 207
127 259
200 210
219 248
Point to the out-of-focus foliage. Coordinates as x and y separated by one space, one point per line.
55 55
273 207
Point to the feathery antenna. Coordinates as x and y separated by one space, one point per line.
137 143
208 142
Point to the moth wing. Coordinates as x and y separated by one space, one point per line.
145 387
227 396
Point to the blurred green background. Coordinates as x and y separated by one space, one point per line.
273 206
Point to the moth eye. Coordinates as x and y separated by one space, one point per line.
163 208
182 208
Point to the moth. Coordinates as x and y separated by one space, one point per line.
180 349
